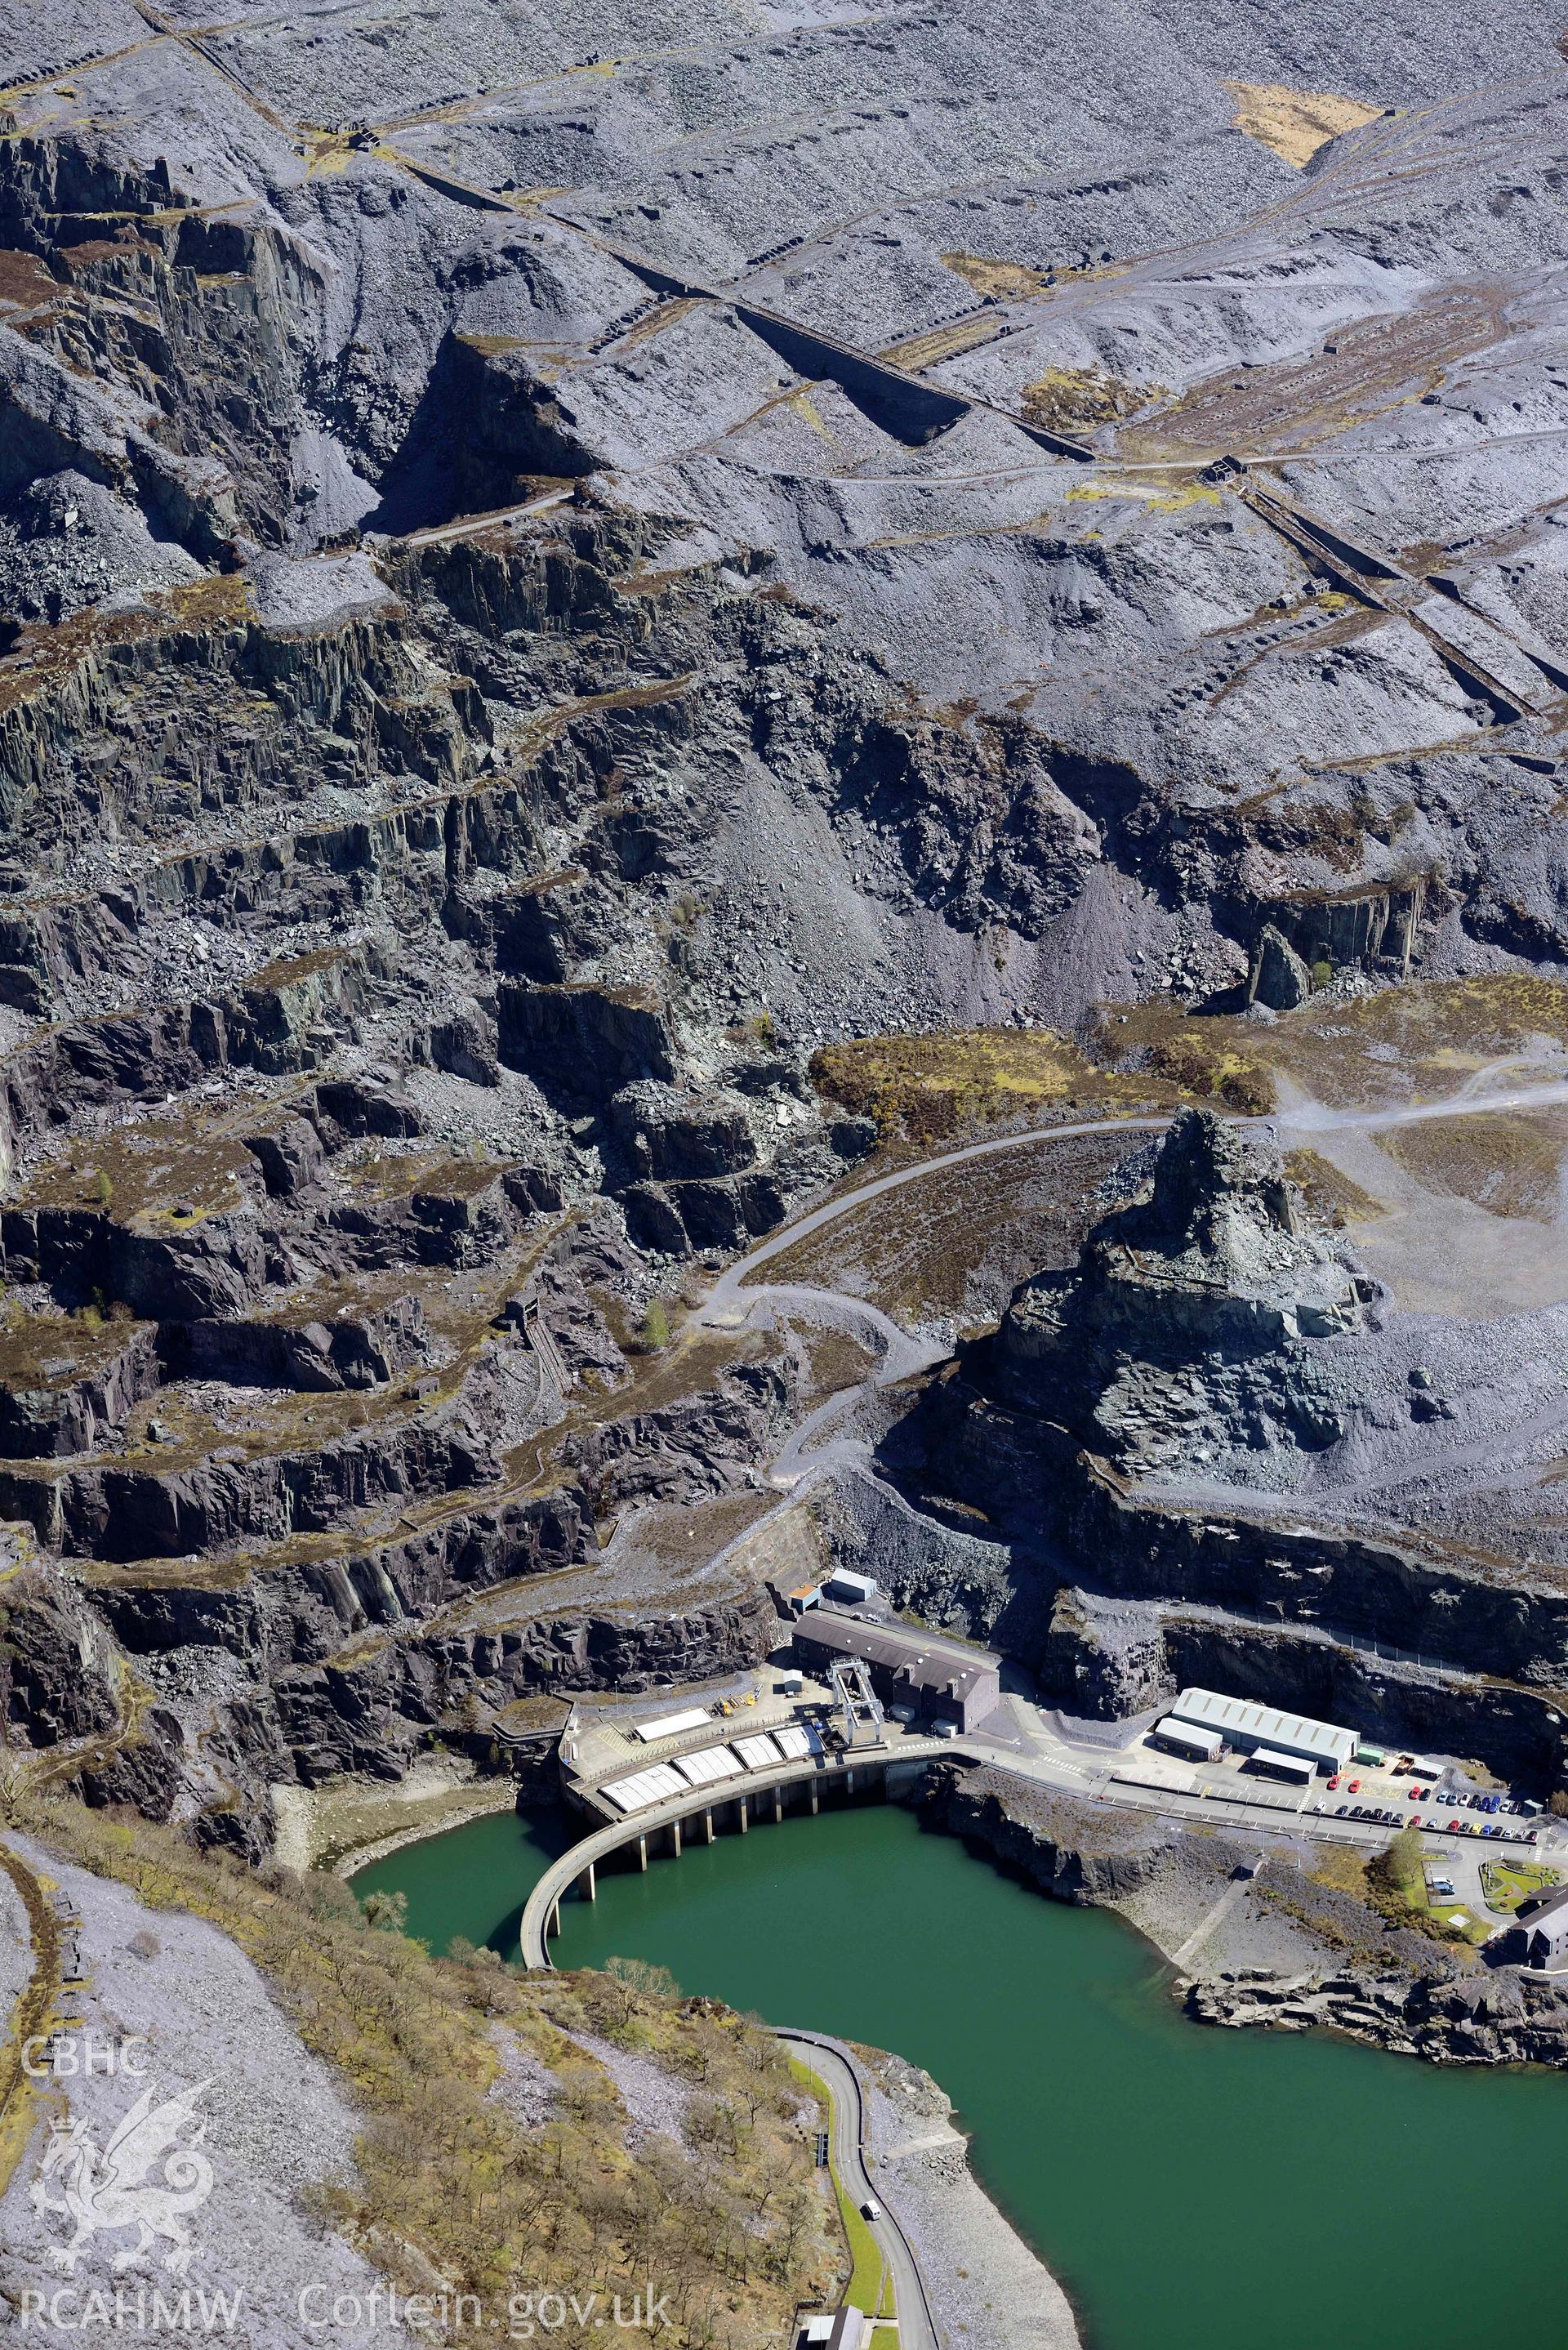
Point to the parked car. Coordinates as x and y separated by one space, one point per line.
1356 1786
1453 1824
1333 1782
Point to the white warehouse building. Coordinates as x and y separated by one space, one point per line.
1249 1727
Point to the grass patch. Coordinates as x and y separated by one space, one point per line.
1295 122
1506 1162
869 2287
1419 1043
1331 1196
1010 281
1505 1884
938 1086
1342 1869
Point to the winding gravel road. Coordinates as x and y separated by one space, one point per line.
736 1293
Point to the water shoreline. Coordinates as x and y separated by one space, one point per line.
351 1825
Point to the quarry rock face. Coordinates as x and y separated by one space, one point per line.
551 565
1279 979
1187 1304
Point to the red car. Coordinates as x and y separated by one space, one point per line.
1454 1825
1335 1781
1415 1819
1356 1786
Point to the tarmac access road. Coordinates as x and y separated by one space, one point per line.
834 2064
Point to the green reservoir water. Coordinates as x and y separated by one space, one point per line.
1193 2189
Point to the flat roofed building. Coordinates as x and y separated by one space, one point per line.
1295 1767
1189 1738
848 1589
672 1725
794 1599
1243 1724
838 2329
938 1677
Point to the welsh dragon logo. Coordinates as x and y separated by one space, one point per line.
116 2187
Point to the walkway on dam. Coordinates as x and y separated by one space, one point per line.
840 1772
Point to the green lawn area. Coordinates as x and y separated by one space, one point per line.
1507 1883
869 2288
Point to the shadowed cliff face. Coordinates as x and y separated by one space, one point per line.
1188 1305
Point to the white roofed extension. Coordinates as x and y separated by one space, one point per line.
708 1767
673 1725
654 1786
1289 1766
797 1740
1190 1737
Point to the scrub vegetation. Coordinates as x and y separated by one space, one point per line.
946 1082
728 2219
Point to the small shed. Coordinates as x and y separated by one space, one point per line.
850 1589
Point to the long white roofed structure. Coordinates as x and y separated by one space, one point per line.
1243 1724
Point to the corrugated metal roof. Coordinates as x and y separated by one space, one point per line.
1238 1718
758 1752
924 1660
